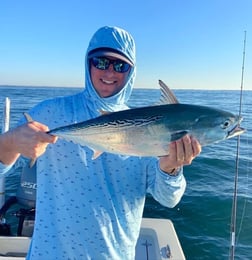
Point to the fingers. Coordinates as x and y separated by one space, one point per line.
187 148
181 152
196 147
41 134
31 139
39 126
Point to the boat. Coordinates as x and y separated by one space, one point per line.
157 239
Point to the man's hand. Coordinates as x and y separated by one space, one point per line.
181 152
30 140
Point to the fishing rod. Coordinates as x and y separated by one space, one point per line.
234 204
5 128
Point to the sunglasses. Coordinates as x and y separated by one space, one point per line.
103 63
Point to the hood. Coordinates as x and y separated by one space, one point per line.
121 41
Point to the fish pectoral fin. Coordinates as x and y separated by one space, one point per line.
96 154
177 135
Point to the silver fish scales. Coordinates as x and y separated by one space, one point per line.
147 131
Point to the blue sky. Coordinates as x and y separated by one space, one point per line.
189 44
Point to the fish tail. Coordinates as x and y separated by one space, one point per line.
28 117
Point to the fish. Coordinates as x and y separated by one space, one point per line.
148 131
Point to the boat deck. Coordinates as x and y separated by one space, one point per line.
157 241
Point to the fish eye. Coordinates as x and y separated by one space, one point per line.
226 124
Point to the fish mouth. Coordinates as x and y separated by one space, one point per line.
237 130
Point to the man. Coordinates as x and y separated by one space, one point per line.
92 209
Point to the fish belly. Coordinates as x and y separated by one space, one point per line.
134 141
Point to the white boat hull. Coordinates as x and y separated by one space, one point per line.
157 241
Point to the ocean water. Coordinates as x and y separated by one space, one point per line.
203 217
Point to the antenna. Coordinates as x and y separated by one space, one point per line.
234 205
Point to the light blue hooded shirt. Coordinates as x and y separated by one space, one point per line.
92 209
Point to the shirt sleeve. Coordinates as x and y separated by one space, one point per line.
166 189
4 169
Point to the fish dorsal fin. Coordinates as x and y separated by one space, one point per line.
167 96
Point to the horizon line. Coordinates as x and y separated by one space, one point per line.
145 88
